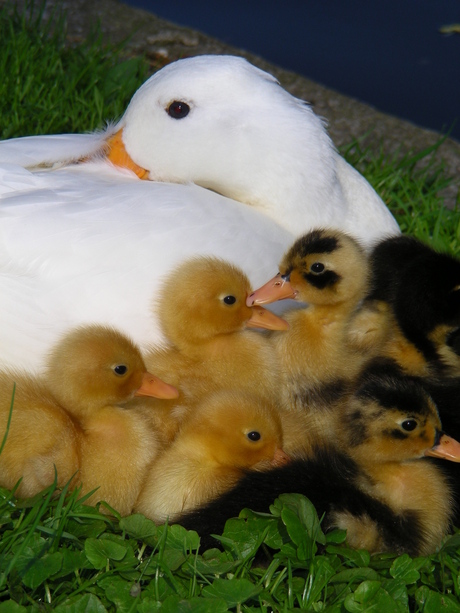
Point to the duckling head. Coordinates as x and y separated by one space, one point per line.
206 297
96 366
238 430
422 287
323 267
391 418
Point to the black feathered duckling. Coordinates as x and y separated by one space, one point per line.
415 300
326 270
421 289
375 482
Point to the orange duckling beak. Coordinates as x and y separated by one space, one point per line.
277 288
120 157
446 447
156 388
280 458
262 318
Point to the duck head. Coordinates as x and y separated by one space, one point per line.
391 418
221 123
324 267
238 430
96 366
206 297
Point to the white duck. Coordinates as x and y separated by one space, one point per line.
83 240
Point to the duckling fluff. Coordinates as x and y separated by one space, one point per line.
228 434
203 313
92 373
328 271
421 289
375 483
41 441
417 292
89 242
388 426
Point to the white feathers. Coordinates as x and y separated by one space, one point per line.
90 243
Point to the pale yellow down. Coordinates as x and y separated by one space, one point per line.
210 453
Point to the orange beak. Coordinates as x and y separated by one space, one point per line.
280 458
120 157
447 448
262 318
156 388
275 289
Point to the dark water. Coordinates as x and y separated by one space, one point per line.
389 54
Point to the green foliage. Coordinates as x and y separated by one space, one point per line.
411 185
58 554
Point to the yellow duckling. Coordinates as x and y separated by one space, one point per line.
92 373
228 434
41 440
327 270
204 315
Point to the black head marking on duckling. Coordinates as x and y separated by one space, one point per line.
317 274
384 388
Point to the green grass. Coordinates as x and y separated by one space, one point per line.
65 89
56 554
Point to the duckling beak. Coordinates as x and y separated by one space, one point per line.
120 157
156 388
280 458
275 289
262 318
445 447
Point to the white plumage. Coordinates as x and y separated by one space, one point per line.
90 242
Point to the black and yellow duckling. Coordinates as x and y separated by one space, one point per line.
328 271
375 482
421 289
415 301
204 316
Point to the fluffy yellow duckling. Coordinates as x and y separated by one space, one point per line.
93 372
228 434
41 440
204 315
327 270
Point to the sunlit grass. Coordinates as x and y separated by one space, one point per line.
56 554
63 88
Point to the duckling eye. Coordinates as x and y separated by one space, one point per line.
409 425
120 369
178 109
254 435
317 268
229 299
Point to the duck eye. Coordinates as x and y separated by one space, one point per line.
229 299
120 369
317 268
178 109
409 425
254 435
